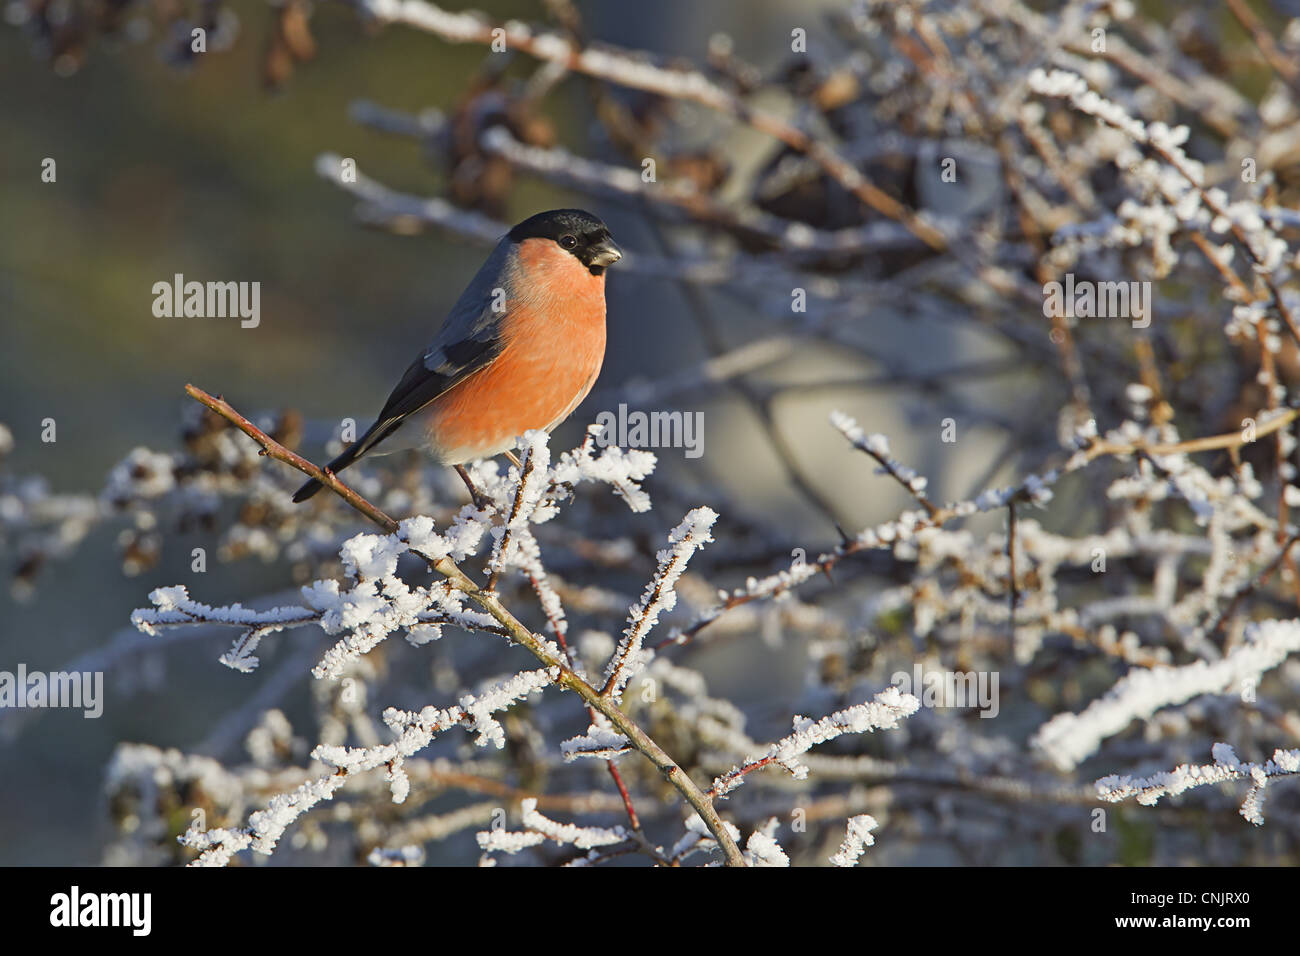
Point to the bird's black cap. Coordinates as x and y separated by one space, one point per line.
576 231
557 222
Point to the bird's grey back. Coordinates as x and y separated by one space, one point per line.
474 319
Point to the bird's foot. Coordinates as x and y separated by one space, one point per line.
481 501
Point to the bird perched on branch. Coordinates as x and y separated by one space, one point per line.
520 350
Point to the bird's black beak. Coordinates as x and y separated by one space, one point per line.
604 254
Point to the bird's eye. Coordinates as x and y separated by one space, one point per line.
568 242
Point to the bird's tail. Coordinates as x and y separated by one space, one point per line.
349 455
307 490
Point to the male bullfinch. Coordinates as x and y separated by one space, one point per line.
520 349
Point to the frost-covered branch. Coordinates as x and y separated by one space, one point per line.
687 538
883 712
1068 739
1226 766
371 560
857 838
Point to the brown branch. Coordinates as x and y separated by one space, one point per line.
1235 439
273 449
1286 68
890 467
746 770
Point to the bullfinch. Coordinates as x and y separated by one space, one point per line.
520 349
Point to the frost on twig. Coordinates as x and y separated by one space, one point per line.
415 730
688 537
173 607
513 543
697 838
1226 766
414 733
374 602
857 838
883 712
877 446
538 828
1068 739
596 742
761 849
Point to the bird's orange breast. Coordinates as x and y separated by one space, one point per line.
553 344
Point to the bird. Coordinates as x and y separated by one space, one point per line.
519 350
